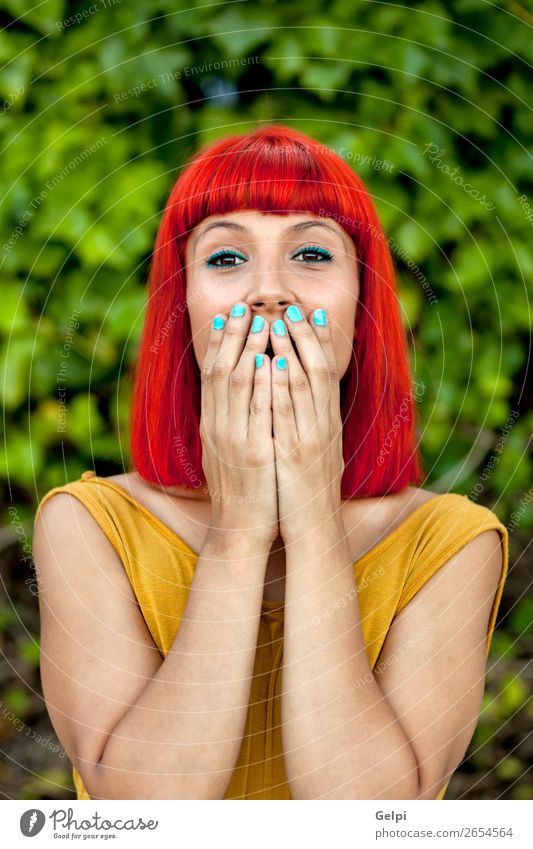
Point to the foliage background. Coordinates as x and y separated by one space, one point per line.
85 175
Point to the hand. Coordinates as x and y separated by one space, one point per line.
236 430
307 426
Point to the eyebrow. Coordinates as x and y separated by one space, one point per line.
303 225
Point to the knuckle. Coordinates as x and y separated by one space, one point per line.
310 444
237 380
299 382
256 455
206 374
235 442
257 406
333 370
220 369
285 408
322 370
219 432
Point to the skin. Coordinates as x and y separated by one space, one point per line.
274 274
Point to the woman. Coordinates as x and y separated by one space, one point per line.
266 606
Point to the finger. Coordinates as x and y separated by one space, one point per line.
283 420
216 333
241 381
318 359
227 356
321 327
260 417
298 383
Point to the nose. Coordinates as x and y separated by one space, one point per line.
270 294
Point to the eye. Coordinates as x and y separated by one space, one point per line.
314 249
224 254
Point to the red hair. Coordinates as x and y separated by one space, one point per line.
274 169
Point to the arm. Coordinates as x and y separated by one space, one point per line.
341 738
133 725
398 732
338 741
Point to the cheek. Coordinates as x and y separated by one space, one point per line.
342 335
341 318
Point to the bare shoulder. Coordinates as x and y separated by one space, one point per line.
138 487
185 512
414 495
130 481
65 522
59 514
369 520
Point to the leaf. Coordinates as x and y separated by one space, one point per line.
239 31
15 361
29 651
17 700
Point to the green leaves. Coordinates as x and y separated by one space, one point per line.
97 116
93 145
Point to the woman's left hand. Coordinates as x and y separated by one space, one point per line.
307 425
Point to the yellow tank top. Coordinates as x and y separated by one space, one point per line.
160 567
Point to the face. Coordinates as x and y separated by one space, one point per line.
269 262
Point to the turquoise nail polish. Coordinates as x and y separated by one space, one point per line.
258 360
257 324
279 327
238 309
319 317
218 322
294 313
281 362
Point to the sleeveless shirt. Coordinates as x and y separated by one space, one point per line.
160 567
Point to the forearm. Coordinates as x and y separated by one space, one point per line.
181 738
341 737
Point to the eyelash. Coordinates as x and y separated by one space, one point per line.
326 257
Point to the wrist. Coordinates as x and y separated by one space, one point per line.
316 534
237 543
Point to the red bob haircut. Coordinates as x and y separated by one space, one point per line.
274 169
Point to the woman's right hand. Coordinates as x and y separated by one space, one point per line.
236 429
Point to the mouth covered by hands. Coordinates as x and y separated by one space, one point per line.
306 421
306 425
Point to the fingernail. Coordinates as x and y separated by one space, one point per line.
257 324
294 313
319 317
279 327
238 309
218 322
258 360
281 362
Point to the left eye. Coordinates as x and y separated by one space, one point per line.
324 255
224 255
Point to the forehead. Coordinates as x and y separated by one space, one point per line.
266 225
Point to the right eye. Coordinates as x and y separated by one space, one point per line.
225 256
